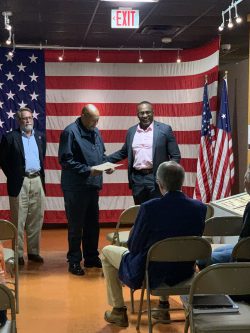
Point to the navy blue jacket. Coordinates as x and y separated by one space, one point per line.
173 215
12 159
165 148
77 153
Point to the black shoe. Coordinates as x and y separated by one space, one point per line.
35 258
93 263
20 261
76 269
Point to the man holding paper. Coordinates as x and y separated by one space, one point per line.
81 148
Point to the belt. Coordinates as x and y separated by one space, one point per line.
32 174
143 171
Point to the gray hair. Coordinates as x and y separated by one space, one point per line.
170 175
19 112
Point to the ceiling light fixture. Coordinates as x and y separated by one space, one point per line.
98 59
237 18
230 22
7 26
221 27
61 57
140 59
11 53
178 60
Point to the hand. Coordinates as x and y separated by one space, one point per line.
94 172
109 171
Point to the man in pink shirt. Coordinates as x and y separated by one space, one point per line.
147 145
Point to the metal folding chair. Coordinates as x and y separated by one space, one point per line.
8 232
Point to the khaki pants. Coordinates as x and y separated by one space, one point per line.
111 258
27 210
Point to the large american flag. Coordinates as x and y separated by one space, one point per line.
204 180
115 86
223 164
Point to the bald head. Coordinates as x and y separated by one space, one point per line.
90 116
170 176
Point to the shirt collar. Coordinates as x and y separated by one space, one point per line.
148 129
24 133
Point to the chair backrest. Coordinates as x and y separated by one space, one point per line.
227 278
7 230
128 216
223 226
7 301
210 211
188 248
241 251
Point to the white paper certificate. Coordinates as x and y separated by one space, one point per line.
105 166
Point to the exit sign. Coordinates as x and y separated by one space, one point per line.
125 18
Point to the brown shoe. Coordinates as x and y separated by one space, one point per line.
161 315
117 316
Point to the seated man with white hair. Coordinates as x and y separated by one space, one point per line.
172 215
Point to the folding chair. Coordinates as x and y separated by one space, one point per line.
210 211
241 251
176 249
127 217
120 238
7 301
8 232
221 226
227 278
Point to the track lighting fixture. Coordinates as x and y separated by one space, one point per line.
230 22
61 57
7 26
140 59
178 59
229 10
238 19
11 53
98 59
8 41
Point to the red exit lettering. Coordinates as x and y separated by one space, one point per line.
125 18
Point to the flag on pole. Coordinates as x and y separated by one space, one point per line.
204 178
223 163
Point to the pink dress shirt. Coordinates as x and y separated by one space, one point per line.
142 147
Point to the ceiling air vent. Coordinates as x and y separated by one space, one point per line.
166 30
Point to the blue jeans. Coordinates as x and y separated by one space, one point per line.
221 254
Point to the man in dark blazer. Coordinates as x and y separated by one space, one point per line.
172 215
22 153
147 145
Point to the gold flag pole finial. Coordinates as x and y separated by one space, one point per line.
225 75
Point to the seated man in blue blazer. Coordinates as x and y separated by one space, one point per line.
172 215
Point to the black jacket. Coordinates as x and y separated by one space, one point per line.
12 159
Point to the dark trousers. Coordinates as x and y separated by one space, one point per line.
144 188
82 212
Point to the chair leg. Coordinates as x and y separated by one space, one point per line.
150 326
140 308
186 325
132 300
